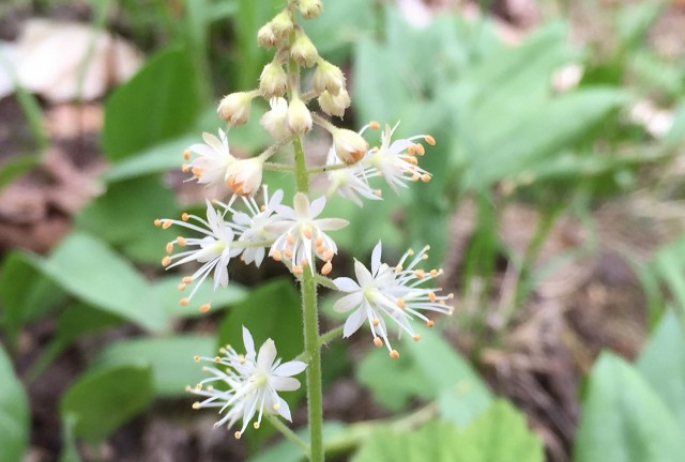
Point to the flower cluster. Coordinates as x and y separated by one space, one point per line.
390 293
245 385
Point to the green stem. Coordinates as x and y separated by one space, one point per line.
331 335
311 330
288 433
327 168
277 167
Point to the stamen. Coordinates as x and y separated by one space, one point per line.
196 358
196 405
290 239
276 255
430 140
425 177
157 222
327 268
433 273
256 425
277 407
416 338
187 280
375 322
307 232
420 274
205 308
297 270
181 287
430 323
318 242
181 241
305 262
411 150
288 253
400 304
166 224
185 168
432 297
184 302
328 255
186 154
394 354
169 247
237 435
166 261
185 216
374 125
378 342
420 150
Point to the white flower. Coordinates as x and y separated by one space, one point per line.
244 176
334 105
396 161
247 384
351 182
299 117
273 81
389 293
350 146
328 77
252 226
235 108
275 121
213 157
214 250
302 236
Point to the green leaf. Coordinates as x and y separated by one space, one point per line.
501 434
25 293
498 435
662 364
667 264
286 451
623 419
14 413
103 400
165 292
124 221
170 360
461 394
92 272
270 311
251 16
159 103
393 384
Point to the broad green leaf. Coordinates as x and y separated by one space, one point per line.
393 384
461 394
25 293
498 435
272 310
14 413
667 264
624 420
170 360
165 292
633 22
501 434
89 270
662 364
103 400
122 219
159 103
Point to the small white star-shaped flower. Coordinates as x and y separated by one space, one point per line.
212 159
302 236
248 384
389 293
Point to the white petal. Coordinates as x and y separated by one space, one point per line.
290 368
301 205
284 383
275 199
284 409
267 354
346 284
331 224
376 258
249 343
354 322
363 276
348 302
317 206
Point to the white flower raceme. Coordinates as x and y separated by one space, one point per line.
252 226
352 181
302 236
275 121
389 294
243 386
213 157
214 250
244 176
396 160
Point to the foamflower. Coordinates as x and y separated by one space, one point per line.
252 226
396 160
389 294
302 236
214 250
275 121
351 182
244 176
212 159
243 386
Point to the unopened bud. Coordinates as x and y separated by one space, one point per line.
266 36
334 105
245 176
282 25
299 117
235 108
273 81
350 147
275 121
310 8
328 77
303 50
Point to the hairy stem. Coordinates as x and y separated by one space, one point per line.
288 433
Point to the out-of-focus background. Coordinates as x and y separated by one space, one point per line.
556 211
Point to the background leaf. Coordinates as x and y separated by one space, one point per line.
14 413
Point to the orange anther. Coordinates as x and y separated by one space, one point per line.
378 342
394 354
430 140
327 268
